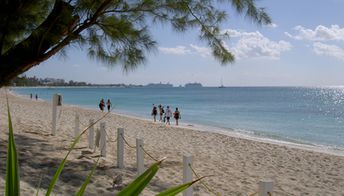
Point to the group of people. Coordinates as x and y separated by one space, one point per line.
165 116
102 105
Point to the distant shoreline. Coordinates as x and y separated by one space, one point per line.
213 129
144 86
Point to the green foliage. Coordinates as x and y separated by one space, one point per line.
26 81
125 24
115 32
63 162
60 168
20 17
178 189
12 166
87 180
135 188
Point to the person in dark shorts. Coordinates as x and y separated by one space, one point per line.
161 112
108 104
101 105
176 115
154 112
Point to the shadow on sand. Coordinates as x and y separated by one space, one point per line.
36 161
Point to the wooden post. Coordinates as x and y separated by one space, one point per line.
120 148
102 143
54 103
187 174
139 156
77 125
91 135
265 188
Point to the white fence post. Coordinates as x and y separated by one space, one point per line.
120 148
91 135
54 103
102 143
139 156
187 174
265 188
77 125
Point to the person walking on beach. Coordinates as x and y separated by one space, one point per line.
30 95
36 96
168 115
154 112
176 115
161 112
108 104
101 105
164 117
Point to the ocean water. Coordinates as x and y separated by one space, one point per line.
313 116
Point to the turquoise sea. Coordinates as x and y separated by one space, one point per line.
313 116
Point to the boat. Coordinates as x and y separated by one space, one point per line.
221 85
193 85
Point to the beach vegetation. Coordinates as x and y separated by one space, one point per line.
116 32
12 165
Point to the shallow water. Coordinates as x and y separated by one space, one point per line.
294 114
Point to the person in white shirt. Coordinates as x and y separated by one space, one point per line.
168 115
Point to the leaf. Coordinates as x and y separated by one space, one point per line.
177 189
12 167
135 188
87 180
61 166
39 184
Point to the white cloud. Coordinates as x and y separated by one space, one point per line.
328 50
254 44
249 45
184 50
178 50
320 33
202 51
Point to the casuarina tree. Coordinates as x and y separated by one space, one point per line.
115 32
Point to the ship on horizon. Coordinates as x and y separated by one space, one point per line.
193 85
159 85
221 86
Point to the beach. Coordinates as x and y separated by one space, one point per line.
235 165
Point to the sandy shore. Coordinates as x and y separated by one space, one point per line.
237 164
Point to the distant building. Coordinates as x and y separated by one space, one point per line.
159 85
193 85
53 81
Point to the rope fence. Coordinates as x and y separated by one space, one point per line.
202 181
150 156
102 137
265 188
144 150
126 142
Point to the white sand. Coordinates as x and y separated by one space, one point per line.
237 164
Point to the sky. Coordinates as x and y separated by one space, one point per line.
304 46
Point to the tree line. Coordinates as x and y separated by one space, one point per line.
34 81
